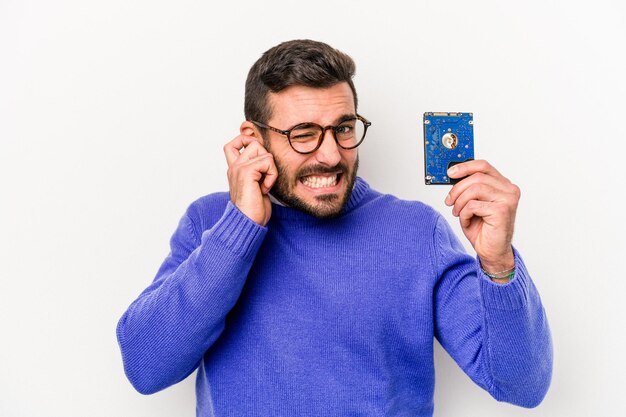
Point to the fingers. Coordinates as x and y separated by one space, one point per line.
258 169
246 152
271 175
490 212
250 180
486 204
248 161
471 167
251 174
489 227
485 194
484 183
243 146
486 190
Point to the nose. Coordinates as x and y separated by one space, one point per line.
328 153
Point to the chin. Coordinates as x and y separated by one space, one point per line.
321 192
324 204
328 206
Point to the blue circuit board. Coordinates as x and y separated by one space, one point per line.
448 140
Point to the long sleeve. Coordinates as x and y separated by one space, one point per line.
166 331
498 334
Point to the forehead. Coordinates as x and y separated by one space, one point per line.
298 104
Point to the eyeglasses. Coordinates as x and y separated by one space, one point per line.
306 138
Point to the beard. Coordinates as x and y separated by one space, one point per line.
325 206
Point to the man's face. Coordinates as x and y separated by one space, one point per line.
319 183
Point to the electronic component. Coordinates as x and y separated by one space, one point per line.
448 140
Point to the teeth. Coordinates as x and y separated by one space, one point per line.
320 182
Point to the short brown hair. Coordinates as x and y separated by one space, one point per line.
298 62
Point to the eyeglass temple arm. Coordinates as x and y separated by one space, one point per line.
263 125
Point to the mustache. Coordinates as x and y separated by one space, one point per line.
321 169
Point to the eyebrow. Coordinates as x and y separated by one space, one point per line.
339 120
345 117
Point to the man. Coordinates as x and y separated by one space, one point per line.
303 291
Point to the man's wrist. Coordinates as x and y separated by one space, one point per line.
501 268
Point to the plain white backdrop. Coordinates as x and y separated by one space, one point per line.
113 115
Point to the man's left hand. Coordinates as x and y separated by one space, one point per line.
485 203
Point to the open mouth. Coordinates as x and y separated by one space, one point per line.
321 181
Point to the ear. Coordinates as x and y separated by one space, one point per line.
249 129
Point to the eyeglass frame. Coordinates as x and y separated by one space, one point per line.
333 129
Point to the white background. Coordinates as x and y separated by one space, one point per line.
112 119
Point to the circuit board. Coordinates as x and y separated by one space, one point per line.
448 140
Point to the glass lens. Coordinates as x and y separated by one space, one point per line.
304 137
350 133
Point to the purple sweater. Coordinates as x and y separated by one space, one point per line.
330 317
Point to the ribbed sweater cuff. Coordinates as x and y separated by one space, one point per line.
510 296
238 232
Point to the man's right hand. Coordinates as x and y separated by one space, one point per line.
251 175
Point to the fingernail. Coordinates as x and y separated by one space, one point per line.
452 170
447 201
